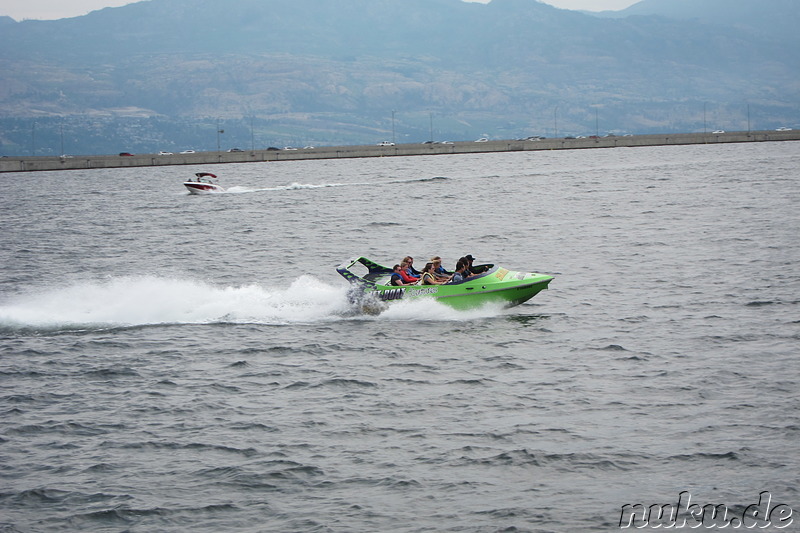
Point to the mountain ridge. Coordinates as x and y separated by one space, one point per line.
509 67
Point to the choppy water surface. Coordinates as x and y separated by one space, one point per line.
172 362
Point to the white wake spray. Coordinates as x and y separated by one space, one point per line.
134 301
148 300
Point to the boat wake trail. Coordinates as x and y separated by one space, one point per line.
123 302
305 186
294 187
138 301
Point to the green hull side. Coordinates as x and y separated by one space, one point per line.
503 286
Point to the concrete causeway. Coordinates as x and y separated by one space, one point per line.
80 162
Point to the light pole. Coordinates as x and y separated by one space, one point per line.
218 132
431 126
748 119
393 139
596 124
555 122
252 135
705 128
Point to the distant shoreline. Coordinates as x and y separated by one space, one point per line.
49 163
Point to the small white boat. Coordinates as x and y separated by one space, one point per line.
205 183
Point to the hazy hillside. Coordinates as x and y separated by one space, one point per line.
162 73
773 19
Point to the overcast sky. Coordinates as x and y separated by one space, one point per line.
56 9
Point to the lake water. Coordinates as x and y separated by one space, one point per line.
182 363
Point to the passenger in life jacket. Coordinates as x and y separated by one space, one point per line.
407 277
428 277
458 275
397 277
438 269
467 272
411 270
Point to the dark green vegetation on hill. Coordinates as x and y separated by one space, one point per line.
163 74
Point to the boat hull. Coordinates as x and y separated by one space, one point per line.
498 286
196 187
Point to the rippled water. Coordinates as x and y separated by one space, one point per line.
172 362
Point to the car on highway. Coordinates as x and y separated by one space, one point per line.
188 152
385 143
718 131
236 150
162 152
784 128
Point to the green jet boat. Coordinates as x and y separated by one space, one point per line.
494 285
